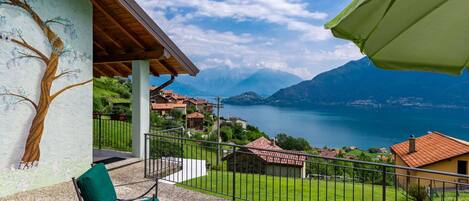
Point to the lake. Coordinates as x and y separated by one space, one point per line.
362 127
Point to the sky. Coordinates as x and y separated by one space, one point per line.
285 35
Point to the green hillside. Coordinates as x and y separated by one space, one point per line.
111 95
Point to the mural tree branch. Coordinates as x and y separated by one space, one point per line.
50 62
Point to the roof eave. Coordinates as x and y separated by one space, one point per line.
162 38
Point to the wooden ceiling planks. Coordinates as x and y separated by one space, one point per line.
121 34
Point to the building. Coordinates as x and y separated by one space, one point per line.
195 121
164 109
433 151
47 142
237 120
255 158
201 105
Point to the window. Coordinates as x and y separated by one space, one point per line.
462 167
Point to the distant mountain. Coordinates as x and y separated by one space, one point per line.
361 83
180 88
247 98
265 82
230 81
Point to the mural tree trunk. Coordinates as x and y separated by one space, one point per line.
32 152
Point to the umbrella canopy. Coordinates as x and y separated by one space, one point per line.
422 35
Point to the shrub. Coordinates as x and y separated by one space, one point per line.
291 143
226 133
418 193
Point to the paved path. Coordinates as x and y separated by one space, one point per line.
191 168
129 182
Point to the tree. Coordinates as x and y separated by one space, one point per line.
291 143
226 133
50 62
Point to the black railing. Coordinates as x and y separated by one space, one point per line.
112 131
245 173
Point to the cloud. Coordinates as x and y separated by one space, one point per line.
293 15
210 48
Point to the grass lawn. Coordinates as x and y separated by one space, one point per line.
115 135
261 187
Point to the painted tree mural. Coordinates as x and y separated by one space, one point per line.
51 73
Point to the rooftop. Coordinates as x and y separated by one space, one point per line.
195 115
123 32
293 158
167 106
430 148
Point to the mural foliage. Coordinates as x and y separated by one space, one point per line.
50 59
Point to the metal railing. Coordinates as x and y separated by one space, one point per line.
112 131
246 173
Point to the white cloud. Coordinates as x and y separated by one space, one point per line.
211 48
293 15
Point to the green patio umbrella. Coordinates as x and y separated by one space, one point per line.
421 35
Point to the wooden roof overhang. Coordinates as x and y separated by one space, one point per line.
123 32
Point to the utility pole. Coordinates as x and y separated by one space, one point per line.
218 128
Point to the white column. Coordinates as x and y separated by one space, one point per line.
140 105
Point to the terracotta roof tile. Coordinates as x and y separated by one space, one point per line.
293 158
431 148
195 115
167 106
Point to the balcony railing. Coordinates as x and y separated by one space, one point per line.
245 173
112 131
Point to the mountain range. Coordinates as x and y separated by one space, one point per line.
360 83
230 81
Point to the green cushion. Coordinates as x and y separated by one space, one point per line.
96 185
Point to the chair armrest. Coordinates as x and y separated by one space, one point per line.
155 186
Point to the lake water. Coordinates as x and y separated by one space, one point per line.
362 127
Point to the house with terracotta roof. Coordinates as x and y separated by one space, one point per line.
433 151
201 105
263 156
195 121
165 108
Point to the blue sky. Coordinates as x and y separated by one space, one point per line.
286 35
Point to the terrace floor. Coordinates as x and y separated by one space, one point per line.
129 183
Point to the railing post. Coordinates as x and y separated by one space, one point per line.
145 156
384 183
99 131
234 173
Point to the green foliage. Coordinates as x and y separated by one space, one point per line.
191 109
158 122
165 148
226 133
418 193
107 91
176 114
291 143
373 150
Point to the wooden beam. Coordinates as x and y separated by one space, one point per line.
168 67
113 20
101 73
125 68
110 68
107 36
99 46
154 70
128 57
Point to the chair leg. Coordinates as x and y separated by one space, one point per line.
77 190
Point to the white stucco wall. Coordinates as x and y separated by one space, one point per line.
66 145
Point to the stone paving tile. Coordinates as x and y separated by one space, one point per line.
129 183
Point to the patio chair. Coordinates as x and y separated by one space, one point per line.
96 185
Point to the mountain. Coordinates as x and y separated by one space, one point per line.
265 82
230 81
247 98
361 83
178 87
